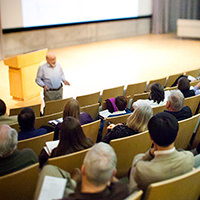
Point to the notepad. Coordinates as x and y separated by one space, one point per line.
52 188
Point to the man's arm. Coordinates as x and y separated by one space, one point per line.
39 79
63 77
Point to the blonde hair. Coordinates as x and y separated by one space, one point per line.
72 109
140 117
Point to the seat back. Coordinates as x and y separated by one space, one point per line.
91 109
70 161
112 92
192 102
162 81
135 196
195 73
43 121
186 130
136 88
172 78
21 184
114 120
15 126
36 143
91 130
55 106
183 187
136 97
127 148
158 109
88 99
36 109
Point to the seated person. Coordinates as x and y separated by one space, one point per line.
4 118
184 87
175 106
97 176
72 109
71 139
12 159
26 120
157 96
136 123
162 161
121 109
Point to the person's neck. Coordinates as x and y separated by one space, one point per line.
87 187
171 146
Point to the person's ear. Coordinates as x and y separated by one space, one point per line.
83 169
168 105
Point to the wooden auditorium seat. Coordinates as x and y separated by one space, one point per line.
184 187
127 148
136 88
186 130
91 130
162 81
192 102
171 79
195 73
88 99
36 143
55 106
16 111
137 195
92 109
19 185
112 92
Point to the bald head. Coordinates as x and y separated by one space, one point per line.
8 140
51 59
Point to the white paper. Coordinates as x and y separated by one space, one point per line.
105 113
52 188
51 145
55 121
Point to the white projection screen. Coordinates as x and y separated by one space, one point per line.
35 13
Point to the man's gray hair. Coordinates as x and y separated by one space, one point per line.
100 163
176 100
8 140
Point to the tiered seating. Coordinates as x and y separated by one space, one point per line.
136 88
192 102
171 79
195 73
162 81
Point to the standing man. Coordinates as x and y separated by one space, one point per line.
50 76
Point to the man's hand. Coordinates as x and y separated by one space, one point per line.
45 88
66 82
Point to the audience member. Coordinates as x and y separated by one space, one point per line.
72 109
4 118
71 139
97 176
26 120
12 159
175 106
162 161
157 96
184 87
136 122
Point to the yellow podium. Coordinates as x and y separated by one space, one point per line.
22 74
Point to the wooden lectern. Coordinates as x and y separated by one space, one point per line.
22 74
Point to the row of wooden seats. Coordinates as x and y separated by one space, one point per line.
129 146
91 129
85 100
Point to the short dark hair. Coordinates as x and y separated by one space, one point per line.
157 93
183 84
26 119
2 107
163 128
121 102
